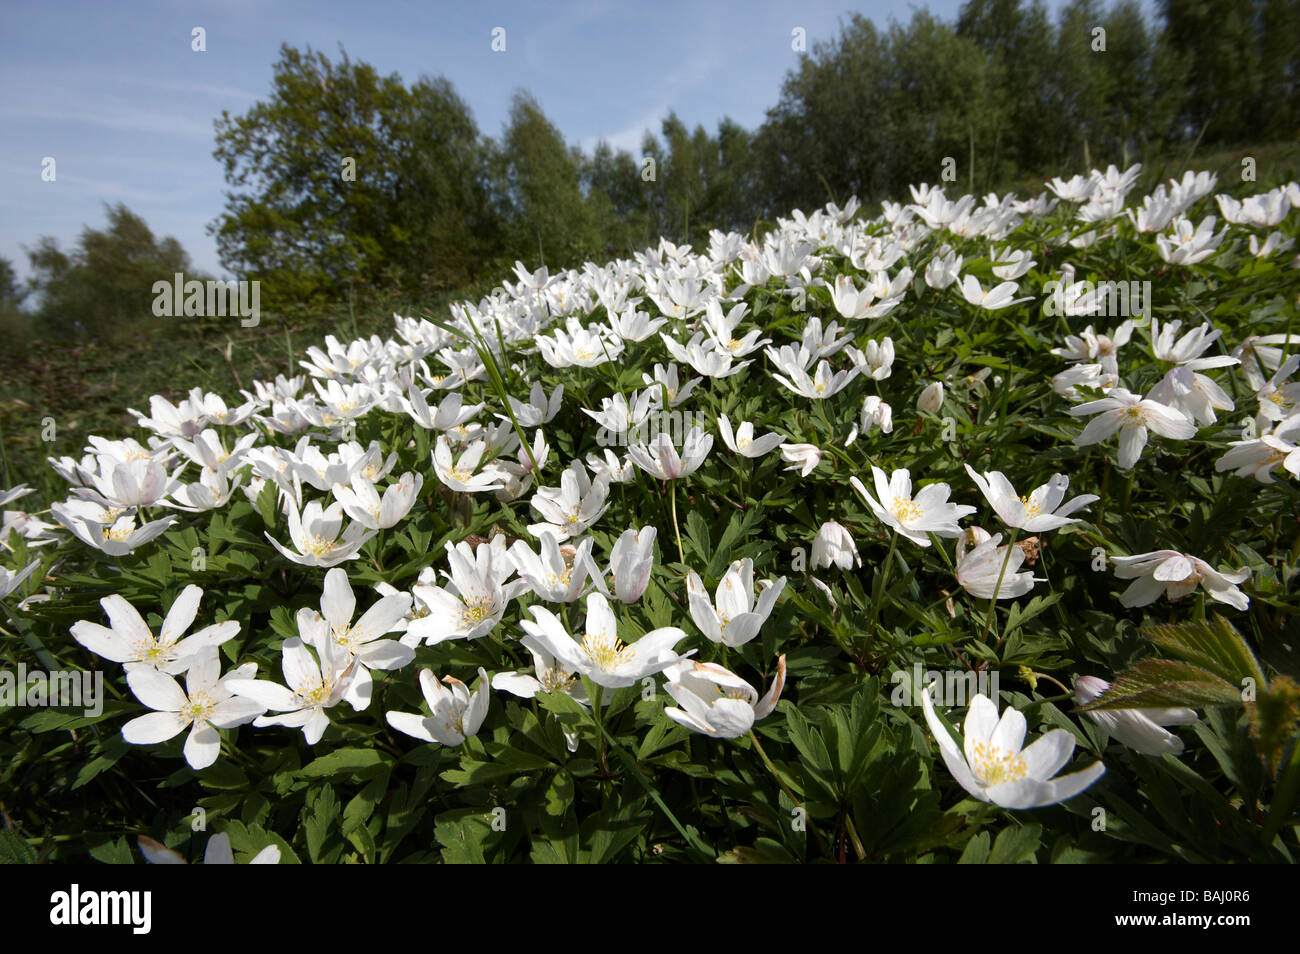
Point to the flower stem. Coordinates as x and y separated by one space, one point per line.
672 496
988 620
882 580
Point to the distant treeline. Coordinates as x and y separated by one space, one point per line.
345 182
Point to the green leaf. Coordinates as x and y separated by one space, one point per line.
352 762
1015 844
1212 644
1166 683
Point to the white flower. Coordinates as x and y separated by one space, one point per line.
630 564
570 509
995 298
833 546
943 270
460 475
743 442
559 573
736 617
455 715
978 571
107 529
661 459
1044 509
204 705
1120 410
316 534
474 599
801 457
875 413
996 765
822 385
363 504
931 398
217 852
129 641
715 701
1187 246
915 518
315 686
361 640
600 655
1139 729
1175 575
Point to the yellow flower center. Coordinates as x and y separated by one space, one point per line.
320 546
994 765
313 692
554 680
477 609
605 651
906 509
1032 509
198 708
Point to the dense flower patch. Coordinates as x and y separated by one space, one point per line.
775 550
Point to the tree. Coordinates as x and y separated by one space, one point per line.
105 283
541 197
344 178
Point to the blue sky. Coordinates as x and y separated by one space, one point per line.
115 94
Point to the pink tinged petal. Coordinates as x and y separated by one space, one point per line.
156 690
202 746
153 728
1177 569
158 854
769 701
1133 728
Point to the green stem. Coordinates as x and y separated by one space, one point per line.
672 496
882 580
988 620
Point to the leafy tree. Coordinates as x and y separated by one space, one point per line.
542 202
105 283
347 178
